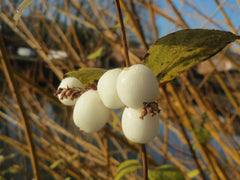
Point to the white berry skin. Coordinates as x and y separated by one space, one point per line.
107 89
139 130
89 113
137 84
70 82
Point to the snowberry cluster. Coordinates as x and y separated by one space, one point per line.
135 87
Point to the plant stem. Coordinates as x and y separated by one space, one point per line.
14 89
125 48
144 162
124 41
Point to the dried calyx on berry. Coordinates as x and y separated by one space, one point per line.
139 130
69 91
149 108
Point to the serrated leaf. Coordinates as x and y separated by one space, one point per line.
193 173
56 163
95 54
165 172
21 8
87 75
127 167
178 51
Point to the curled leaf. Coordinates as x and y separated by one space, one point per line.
165 172
193 173
178 51
95 54
127 167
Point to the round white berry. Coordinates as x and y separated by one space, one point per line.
89 113
107 89
137 84
139 130
69 82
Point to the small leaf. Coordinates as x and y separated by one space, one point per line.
74 156
2 178
178 51
165 172
95 54
202 134
87 75
14 169
4 158
21 8
193 173
1 159
127 167
195 146
56 163
117 26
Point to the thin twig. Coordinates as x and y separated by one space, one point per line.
14 89
79 46
184 134
152 17
124 41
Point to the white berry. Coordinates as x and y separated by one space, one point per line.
139 130
69 82
137 84
89 113
107 89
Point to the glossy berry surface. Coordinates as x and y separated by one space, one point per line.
107 89
89 113
136 85
139 130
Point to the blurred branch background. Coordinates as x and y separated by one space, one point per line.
55 37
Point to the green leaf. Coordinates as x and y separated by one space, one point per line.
117 26
165 172
87 75
2 178
74 156
202 134
193 173
14 169
127 167
4 158
95 54
21 8
178 51
56 163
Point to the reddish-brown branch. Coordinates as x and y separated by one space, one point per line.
144 162
124 40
